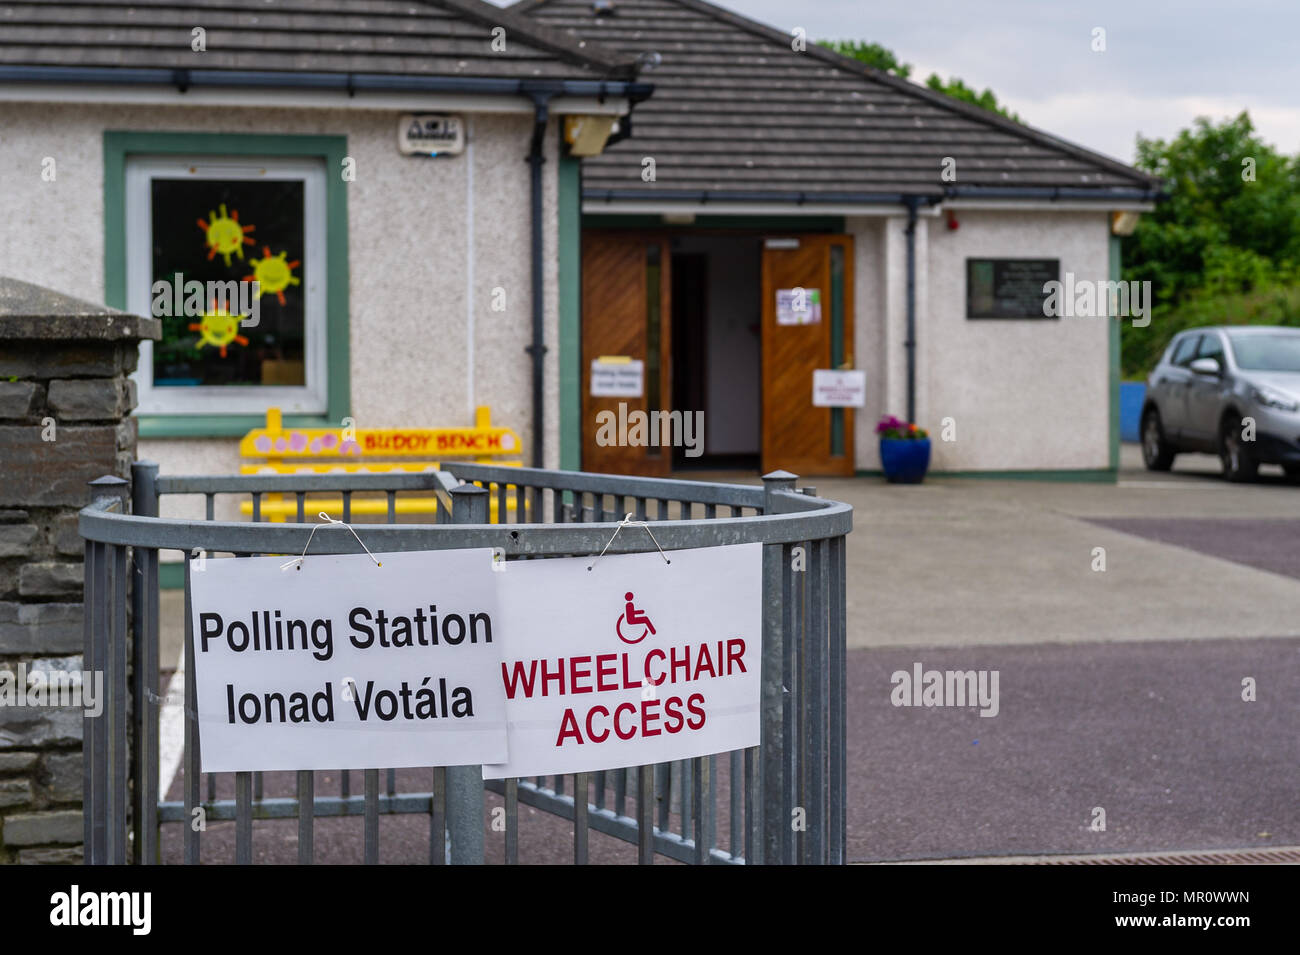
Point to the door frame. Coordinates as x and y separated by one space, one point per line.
717 227
840 329
652 465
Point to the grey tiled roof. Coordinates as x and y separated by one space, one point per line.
406 37
737 112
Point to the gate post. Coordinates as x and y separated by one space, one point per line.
104 735
65 419
775 845
469 505
144 673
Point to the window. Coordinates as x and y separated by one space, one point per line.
1211 347
1267 352
198 229
1185 351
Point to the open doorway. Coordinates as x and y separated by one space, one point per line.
717 346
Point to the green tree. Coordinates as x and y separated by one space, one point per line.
881 58
1225 246
872 54
955 88
1230 194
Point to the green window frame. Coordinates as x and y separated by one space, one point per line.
119 145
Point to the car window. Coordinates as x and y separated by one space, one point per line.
1267 352
1211 347
1184 351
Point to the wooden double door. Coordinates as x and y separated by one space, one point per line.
805 320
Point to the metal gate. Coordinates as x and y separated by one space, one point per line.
783 801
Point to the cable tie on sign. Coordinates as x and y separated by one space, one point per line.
625 522
296 563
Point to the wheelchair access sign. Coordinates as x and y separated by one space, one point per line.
644 658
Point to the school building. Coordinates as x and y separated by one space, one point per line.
447 205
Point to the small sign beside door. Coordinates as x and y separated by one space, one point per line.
617 377
839 389
798 306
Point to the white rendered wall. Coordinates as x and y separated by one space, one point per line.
407 234
1024 394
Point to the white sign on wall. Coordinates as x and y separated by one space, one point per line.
636 661
621 378
343 664
839 389
431 134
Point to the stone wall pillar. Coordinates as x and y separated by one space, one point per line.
65 406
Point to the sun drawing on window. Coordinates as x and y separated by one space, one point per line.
218 328
272 273
225 235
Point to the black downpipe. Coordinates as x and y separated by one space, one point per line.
910 343
538 347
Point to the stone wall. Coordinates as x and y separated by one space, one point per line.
65 404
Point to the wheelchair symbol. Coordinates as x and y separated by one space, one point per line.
633 617
645 630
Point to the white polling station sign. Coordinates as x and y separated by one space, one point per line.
839 389
636 661
345 664
617 377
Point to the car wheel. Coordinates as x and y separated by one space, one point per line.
1238 463
1156 452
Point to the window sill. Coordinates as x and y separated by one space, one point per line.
220 425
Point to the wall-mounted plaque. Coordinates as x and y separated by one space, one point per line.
1009 288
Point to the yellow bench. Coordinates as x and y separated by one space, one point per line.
279 450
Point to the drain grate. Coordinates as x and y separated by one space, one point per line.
1288 856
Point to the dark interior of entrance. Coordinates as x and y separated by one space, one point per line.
716 346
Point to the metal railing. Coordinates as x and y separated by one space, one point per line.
784 800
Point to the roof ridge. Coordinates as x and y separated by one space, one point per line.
858 68
580 50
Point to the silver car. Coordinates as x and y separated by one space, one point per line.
1233 391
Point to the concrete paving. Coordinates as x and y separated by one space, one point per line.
965 562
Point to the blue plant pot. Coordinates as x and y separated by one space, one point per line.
904 461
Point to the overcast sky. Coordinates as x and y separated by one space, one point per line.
1165 62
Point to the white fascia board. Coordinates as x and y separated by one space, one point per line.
1048 205
300 99
589 106
620 207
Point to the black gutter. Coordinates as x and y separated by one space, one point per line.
712 195
874 198
1053 193
342 82
537 350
